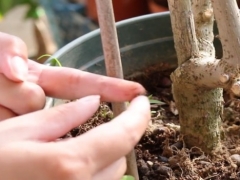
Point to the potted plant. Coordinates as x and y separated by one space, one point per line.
148 44
206 137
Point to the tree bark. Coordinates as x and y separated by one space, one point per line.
228 20
199 78
199 101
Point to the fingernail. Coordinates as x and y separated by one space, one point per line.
19 68
90 98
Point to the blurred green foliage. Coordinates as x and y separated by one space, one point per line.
34 10
127 178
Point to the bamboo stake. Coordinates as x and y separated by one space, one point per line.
113 63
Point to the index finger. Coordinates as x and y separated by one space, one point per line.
69 83
115 139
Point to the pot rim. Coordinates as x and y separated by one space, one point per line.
96 32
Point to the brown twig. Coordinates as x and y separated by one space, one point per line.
113 63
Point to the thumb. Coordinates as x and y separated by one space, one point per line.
15 68
48 124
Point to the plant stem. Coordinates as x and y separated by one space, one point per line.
228 21
200 106
113 63
203 20
184 30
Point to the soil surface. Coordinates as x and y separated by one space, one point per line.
161 153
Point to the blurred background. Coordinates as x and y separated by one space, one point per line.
47 25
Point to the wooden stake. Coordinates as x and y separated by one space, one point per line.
113 63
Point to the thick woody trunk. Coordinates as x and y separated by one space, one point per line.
199 78
200 108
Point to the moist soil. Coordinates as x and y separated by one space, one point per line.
161 153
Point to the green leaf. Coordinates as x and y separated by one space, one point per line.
54 61
127 178
150 96
154 101
34 12
7 5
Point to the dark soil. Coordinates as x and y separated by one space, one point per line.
161 153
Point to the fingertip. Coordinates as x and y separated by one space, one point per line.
35 98
136 90
141 89
141 104
141 99
16 69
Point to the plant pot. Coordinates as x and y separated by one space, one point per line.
144 41
123 9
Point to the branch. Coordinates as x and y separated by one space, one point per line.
201 72
183 30
203 18
228 20
204 70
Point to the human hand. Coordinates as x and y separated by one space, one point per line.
25 83
27 150
18 96
25 135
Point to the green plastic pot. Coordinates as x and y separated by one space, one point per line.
144 41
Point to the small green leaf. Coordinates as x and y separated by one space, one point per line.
150 96
127 178
54 61
154 101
